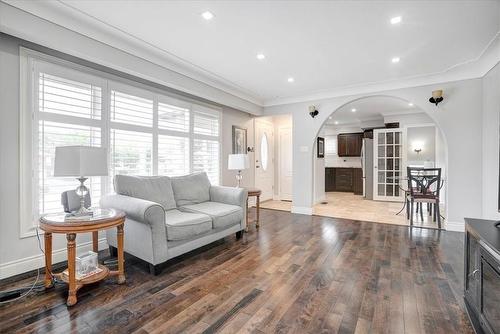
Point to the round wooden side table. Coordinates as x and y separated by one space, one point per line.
256 193
102 219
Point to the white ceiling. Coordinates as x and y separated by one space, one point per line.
324 45
371 109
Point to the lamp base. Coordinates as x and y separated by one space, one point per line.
239 177
82 191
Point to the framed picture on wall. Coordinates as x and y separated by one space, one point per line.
239 140
321 147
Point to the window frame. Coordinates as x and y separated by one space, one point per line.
31 64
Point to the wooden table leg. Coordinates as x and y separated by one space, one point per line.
246 228
95 241
48 260
121 263
71 240
258 212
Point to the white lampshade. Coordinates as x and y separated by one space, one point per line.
237 162
78 161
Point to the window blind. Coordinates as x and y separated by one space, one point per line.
67 97
130 109
206 158
51 135
146 133
173 155
206 123
131 152
171 117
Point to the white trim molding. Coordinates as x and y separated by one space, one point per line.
26 264
302 210
454 226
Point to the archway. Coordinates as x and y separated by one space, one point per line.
357 115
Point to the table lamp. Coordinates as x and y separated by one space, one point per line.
81 162
238 162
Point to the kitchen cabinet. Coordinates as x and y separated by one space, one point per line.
329 179
482 274
349 144
344 179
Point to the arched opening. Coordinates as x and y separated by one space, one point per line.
368 143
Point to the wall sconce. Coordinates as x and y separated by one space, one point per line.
417 146
437 96
313 112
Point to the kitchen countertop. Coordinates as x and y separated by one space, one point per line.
486 231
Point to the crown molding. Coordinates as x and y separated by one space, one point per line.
471 69
68 17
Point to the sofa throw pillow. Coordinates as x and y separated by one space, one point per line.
191 189
156 189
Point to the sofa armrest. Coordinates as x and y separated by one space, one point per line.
140 210
229 195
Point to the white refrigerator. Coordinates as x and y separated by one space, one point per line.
367 166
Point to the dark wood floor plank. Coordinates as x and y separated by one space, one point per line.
296 274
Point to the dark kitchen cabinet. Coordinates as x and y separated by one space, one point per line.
349 144
343 179
357 181
329 179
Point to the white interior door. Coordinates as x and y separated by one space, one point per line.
264 158
388 163
285 162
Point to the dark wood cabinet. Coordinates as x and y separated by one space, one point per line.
344 179
329 179
349 144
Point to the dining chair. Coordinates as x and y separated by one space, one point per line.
424 185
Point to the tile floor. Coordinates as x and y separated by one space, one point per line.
350 206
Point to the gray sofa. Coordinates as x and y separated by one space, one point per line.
170 216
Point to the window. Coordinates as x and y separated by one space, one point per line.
330 145
146 133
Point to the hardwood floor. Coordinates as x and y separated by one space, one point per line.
297 274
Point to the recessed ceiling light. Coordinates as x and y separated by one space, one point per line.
336 122
290 79
396 20
260 56
395 60
410 104
330 117
353 110
207 15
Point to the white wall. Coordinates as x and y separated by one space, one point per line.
19 255
459 117
425 136
232 117
319 177
491 122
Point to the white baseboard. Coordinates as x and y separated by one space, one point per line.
454 226
20 266
303 210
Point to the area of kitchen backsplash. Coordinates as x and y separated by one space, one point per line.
333 160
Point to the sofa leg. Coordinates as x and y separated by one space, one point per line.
113 252
153 270
239 234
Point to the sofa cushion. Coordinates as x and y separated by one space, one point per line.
185 225
156 189
191 189
222 215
